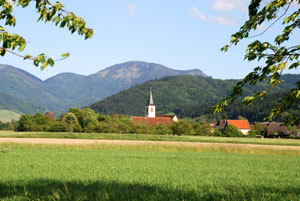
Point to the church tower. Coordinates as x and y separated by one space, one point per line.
150 108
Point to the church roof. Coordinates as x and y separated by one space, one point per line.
152 120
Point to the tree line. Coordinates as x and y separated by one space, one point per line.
88 121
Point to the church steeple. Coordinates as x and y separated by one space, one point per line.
150 108
151 98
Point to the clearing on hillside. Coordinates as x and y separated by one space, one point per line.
7 115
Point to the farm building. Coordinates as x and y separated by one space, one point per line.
242 125
274 129
151 117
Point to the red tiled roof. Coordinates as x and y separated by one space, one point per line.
240 124
152 120
50 114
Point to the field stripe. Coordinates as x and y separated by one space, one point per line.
130 142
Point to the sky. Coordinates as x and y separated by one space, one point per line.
180 34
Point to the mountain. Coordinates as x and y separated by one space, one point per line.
188 96
66 90
81 90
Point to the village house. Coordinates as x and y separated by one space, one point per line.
274 129
151 118
242 125
50 115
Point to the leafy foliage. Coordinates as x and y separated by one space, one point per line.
49 12
8 126
277 56
232 131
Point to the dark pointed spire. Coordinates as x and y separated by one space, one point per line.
150 97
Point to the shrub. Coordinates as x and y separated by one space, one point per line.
57 126
203 129
162 129
232 131
218 132
182 127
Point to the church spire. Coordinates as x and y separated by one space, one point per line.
150 108
150 97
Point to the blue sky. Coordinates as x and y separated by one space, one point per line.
180 34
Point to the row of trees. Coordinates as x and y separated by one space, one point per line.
8 126
88 121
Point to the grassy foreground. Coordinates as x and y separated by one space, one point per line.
102 136
97 172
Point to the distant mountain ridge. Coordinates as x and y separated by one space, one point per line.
65 90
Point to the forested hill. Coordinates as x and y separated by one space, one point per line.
189 96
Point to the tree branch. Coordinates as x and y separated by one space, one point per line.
272 23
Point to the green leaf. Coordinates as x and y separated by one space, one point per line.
51 62
27 56
65 55
44 65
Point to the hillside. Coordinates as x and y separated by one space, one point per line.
6 116
19 85
189 96
66 90
14 104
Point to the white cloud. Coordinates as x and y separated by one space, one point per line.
131 8
229 5
195 12
224 5
222 20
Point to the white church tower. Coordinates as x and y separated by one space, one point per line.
150 108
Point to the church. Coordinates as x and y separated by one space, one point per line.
151 117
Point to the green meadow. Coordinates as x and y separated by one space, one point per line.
115 172
144 137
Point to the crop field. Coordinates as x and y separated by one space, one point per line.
6 116
144 137
98 172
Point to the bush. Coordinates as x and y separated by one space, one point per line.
57 126
162 129
218 132
37 122
102 127
203 129
70 120
232 131
182 127
140 128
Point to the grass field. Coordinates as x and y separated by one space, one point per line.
6 116
97 172
244 140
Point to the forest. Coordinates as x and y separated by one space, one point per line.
194 97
